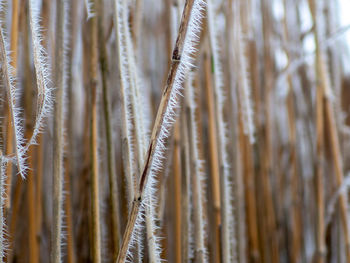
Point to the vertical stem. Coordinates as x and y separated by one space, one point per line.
114 200
39 183
58 145
68 213
95 211
268 153
296 243
214 159
2 203
186 233
31 194
9 131
158 125
178 191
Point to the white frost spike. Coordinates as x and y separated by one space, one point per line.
89 9
3 243
197 174
42 69
12 94
226 192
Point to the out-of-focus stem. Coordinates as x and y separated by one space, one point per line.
58 142
178 192
112 176
95 208
214 159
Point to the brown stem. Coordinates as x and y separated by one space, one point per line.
95 210
9 133
112 176
176 59
214 159
178 191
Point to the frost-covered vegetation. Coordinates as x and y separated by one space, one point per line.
174 130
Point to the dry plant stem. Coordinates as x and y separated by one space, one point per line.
186 233
338 165
31 194
138 131
228 236
214 159
2 203
296 221
8 83
246 151
14 216
127 144
323 107
9 133
270 228
58 145
176 58
68 213
112 176
198 194
39 183
44 100
136 33
19 182
238 183
178 192
181 198
322 75
70 150
33 241
250 193
95 210
320 238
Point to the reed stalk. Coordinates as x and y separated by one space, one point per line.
112 176
95 199
9 131
160 130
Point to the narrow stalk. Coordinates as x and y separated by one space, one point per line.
112 176
166 111
12 94
324 92
58 145
42 70
178 191
267 154
2 204
127 127
227 225
187 234
31 198
95 201
339 173
18 188
39 184
9 131
296 243
214 159
197 174
250 193
68 213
